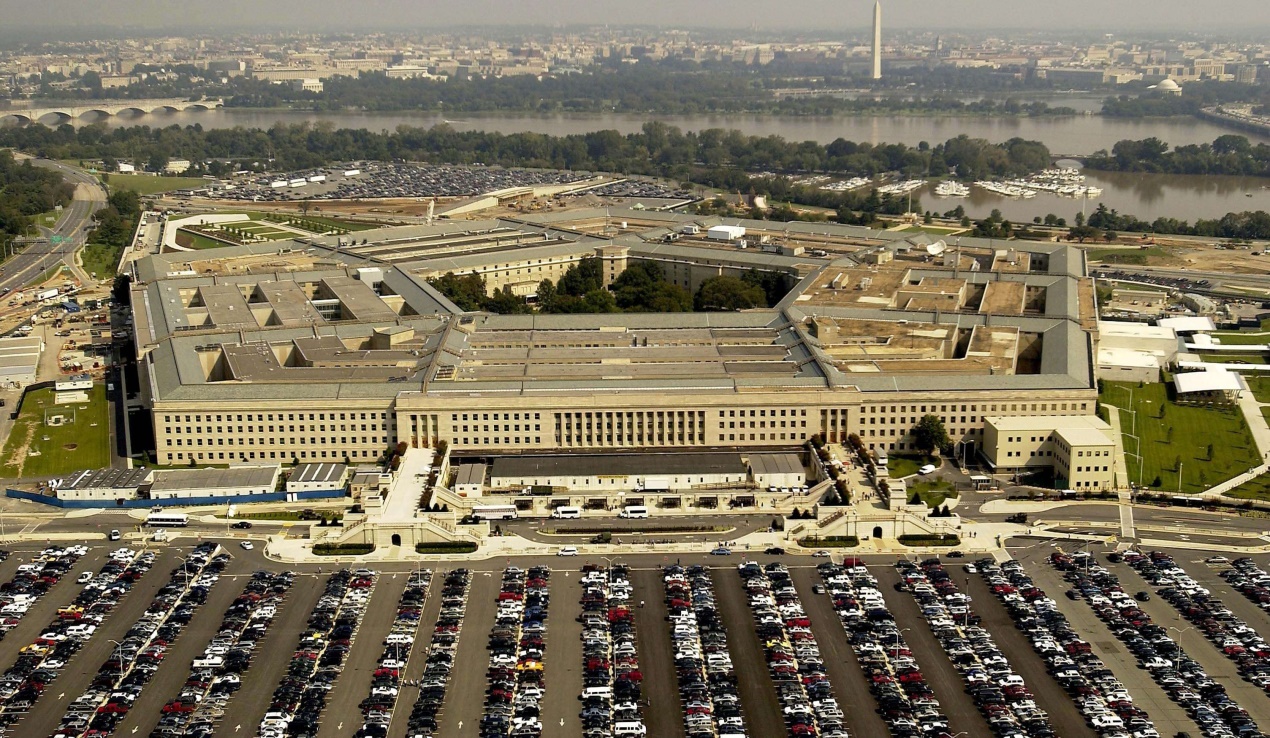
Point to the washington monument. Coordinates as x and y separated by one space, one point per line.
877 39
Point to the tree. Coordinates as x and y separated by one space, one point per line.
718 294
1081 233
929 434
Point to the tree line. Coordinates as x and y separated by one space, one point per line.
27 191
1195 97
664 88
641 288
1228 154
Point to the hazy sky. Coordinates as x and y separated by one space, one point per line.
206 15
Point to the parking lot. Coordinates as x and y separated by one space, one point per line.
416 651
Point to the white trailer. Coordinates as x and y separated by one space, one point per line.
725 233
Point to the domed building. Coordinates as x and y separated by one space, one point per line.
1168 86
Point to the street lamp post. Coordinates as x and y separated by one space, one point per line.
899 633
119 655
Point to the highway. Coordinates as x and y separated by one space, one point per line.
73 226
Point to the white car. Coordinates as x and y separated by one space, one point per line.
247 545
84 578
927 469
568 551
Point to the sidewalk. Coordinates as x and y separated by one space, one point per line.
1122 466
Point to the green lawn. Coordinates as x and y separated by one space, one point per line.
934 492
932 230
1260 388
192 240
1184 434
1243 339
328 223
903 466
1125 255
101 260
1257 489
83 444
48 274
1239 358
146 185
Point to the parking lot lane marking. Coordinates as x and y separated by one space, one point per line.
465 695
850 686
1198 647
368 644
408 692
761 705
949 687
46 715
1168 717
1065 717
664 714
563 653
168 681
273 655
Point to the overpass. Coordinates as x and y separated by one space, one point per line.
76 109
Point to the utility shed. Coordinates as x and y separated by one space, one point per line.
725 233
176 484
777 470
470 480
317 477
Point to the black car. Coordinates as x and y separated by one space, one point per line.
1142 596
242 525
775 551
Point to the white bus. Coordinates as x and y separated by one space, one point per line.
494 512
167 520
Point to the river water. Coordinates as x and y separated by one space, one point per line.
1147 196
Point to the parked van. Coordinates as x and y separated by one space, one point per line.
568 513
600 692
629 727
633 511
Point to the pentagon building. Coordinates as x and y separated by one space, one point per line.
318 349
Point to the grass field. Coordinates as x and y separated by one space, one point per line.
48 274
1243 357
192 240
1126 255
100 260
1243 339
84 444
1260 388
934 492
903 466
931 230
1183 435
145 185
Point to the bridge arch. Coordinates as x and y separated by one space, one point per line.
94 113
166 109
15 119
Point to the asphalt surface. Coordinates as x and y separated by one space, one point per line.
248 706
167 682
562 657
342 716
47 713
73 225
759 700
407 694
1193 642
850 686
1065 717
942 676
465 695
1168 717
664 714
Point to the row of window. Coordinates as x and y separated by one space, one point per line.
257 417
252 441
276 455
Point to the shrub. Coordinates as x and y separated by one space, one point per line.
343 549
946 539
445 547
829 542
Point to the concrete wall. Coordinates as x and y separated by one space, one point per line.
19 494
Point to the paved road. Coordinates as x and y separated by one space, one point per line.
408 695
248 706
167 682
1065 717
850 686
342 716
664 714
465 696
563 655
73 225
1168 717
79 673
759 700
949 688
1198 647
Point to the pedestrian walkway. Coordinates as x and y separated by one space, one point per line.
1122 468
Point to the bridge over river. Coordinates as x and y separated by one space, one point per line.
40 111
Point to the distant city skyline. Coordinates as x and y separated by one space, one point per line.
194 18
